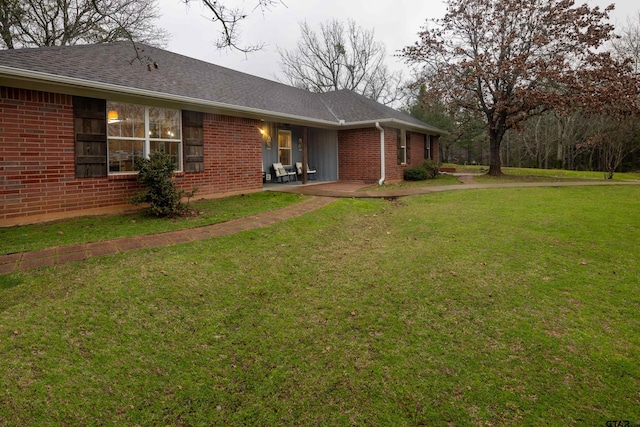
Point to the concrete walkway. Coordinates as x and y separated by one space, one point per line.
358 189
324 193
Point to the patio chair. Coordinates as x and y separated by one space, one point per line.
281 173
311 173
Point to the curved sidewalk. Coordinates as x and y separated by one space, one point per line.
79 252
358 189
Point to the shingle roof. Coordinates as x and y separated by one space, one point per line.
115 65
354 108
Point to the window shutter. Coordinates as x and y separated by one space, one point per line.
193 136
90 128
399 144
427 147
408 145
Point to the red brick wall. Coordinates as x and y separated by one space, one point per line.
37 169
232 157
394 170
359 155
417 149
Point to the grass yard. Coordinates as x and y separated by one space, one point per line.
482 307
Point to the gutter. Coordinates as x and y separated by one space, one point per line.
396 123
382 166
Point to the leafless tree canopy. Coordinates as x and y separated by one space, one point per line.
340 57
510 60
229 20
627 45
33 23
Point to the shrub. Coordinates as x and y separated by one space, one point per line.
162 195
415 174
432 168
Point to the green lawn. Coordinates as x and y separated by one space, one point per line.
482 307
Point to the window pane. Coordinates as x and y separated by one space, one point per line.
123 154
125 120
285 156
131 137
284 139
284 147
164 123
171 148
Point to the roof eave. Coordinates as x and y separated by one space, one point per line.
196 103
394 123
78 84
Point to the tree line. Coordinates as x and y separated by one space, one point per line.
537 83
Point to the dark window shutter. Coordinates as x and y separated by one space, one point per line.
193 136
427 146
90 128
399 144
408 145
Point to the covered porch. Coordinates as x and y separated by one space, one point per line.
289 144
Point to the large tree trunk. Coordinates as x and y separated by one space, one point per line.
495 165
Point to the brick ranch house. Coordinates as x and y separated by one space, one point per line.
73 120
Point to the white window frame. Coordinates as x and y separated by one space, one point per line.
289 148
146 146
403 145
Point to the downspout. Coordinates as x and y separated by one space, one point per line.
382 167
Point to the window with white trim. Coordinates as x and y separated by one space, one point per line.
402 147
136 131
284 147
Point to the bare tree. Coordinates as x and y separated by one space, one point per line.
627 45
229 20
10 16
610 142
340 57
511 60
34 23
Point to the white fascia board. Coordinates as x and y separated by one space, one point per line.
394 123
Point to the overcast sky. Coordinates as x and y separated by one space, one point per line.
395 22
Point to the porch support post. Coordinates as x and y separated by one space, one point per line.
305 159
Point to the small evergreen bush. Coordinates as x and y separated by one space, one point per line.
415 174
432 168
162 195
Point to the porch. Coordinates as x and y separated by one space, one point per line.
288 144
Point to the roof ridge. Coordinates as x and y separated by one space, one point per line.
329 108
